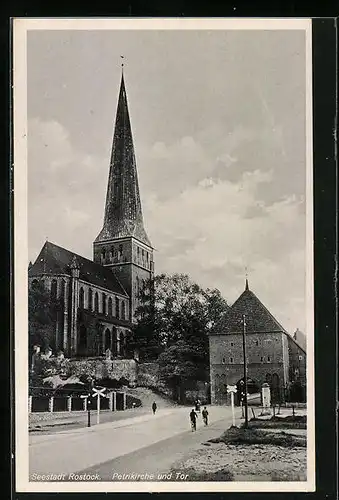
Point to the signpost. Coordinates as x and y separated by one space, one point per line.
98 393
89 400
231 389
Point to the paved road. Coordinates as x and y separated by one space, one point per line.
158 439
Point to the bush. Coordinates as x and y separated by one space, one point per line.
289 422
236 435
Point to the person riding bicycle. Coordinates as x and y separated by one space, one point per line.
205 415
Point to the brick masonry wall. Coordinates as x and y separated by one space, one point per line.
264 356
297 362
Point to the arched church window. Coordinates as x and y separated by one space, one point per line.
81 298
117 307
108 343
90 299
54 290
114 341
123 310
62 289
110 307
96 302
103 303
120 252
103 255
123 344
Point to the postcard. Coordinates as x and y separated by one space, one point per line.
163 238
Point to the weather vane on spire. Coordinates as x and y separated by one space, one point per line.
122 61
246 275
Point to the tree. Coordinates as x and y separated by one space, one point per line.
180 365
42 311
174 319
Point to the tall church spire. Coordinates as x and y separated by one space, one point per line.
123 213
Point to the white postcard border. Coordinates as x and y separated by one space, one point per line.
20 28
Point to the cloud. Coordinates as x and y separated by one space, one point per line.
205 231
200 221
65 189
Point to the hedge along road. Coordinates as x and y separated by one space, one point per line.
76 450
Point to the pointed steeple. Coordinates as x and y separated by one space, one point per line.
123 213
246 284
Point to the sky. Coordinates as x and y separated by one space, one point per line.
218 121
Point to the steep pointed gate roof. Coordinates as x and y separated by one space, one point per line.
257 317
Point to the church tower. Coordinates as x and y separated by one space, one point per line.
123 245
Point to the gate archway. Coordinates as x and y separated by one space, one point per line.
252 388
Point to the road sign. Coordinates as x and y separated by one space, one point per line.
98 392
231 388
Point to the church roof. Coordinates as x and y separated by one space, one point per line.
123 213
257 316
57 260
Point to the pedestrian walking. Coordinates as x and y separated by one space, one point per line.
154 407
193 419
205 415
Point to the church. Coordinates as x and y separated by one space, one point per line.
99 297
272 355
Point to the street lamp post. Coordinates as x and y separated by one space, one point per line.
245 368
